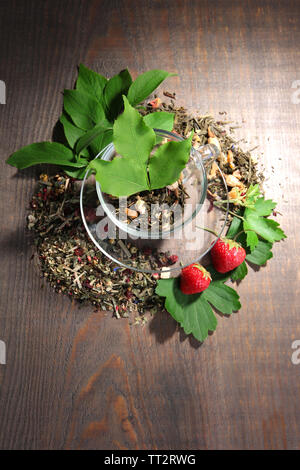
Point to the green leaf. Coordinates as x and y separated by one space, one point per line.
252 195
240 272
72 133
77 173
168 161
91 82
235 227
264 207
116 178
133 140
266 228
255 220
251 237
43 152
145 84
253 192
199 319
115 88
222 297
261 254
160 120
101 141
84 110
194 312
89 137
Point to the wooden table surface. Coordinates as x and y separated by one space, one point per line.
76 379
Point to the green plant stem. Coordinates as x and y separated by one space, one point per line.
242 231
229 212
207 230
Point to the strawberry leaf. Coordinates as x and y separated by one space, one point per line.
240 272
266 228
194 312
252 195
235 227
261 253
222 297
264 207
251 236
255 219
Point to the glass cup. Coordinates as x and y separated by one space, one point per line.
188 239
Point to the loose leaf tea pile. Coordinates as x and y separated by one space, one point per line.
68 258
100 111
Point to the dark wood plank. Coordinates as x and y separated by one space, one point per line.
76 379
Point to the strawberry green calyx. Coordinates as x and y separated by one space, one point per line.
230 243
206 274
194 279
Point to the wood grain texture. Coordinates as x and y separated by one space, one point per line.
76 379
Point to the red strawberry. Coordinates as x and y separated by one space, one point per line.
227 254
194 279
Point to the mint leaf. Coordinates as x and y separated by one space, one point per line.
240 272
89 137
43 152
133 140
161 171
160 120
145 84
101 141
261 254
72 133
115 88
194 312
77 173
136 170
84 110
91 82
